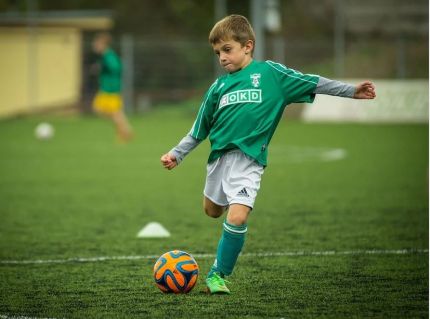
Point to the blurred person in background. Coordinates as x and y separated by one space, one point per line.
108 101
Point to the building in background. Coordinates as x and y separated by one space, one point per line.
41 59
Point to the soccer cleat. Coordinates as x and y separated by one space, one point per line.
216 284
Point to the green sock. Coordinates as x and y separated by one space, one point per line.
229 248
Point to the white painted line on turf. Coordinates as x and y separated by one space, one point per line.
20 317
204 256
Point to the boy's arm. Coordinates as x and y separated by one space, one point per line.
198 133
185 146
363 90
175 156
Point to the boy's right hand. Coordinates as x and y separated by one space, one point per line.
169 161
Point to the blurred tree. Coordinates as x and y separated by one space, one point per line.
161 18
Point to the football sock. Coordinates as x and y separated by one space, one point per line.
229 248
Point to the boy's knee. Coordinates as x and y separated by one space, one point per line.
238 215
237 220
212 210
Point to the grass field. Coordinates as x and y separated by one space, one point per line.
343 236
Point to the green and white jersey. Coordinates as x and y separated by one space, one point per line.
110 73
241 110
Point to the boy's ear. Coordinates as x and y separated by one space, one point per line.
249 46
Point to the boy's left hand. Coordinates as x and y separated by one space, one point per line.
365 90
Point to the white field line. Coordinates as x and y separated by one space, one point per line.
204 256
20 317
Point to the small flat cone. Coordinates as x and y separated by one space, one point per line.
153 230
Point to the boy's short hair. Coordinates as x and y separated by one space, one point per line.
105 37
233 27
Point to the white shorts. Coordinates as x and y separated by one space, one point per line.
234 178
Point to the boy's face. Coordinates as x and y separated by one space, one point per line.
232 55
99 45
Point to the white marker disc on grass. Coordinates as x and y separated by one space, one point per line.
153 230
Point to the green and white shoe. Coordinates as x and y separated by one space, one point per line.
216 284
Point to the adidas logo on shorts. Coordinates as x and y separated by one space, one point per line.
243 192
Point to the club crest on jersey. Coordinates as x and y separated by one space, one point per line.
255 79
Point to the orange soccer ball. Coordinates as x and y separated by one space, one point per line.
176 271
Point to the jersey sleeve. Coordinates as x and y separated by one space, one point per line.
203 122
296 87
335 88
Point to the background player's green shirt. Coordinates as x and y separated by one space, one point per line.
242 109
110 72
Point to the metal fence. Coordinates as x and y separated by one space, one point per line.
158 72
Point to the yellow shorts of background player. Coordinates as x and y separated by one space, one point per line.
107 103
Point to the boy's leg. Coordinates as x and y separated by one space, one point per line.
229 247
232 239
103 109
233 235
212 209
122 125
237 178
238 214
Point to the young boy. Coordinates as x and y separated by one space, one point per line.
240 113
108 100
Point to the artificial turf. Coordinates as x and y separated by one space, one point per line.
82 195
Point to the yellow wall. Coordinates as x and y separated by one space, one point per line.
39 68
